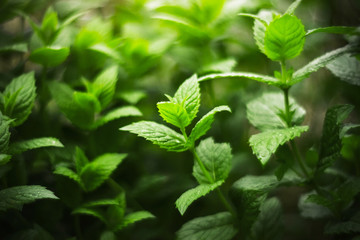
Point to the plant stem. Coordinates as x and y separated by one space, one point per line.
78 228
225 202
299 158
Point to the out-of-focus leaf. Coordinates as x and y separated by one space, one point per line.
50 56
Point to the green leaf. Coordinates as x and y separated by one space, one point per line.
330 145
264 112
268 225
188 197
213 227
257 77
49 56
335 30
312 210
266 143
78 112
49 26
188 95
80 159
19 98
158 134
100 203
174 113
216 158
132 97
284 38
347 68
66 172
106 50
4 159
16 197
248 194
4 134
17 47
226 65
292 7
204 124
262 20
135 217
19 147
91 212
126 111
87 102
100 169
104 85
319 62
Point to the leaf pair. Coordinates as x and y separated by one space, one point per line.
112 212
90 175
265 113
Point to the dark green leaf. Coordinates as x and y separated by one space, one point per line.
50 56
91 212
312 210
126 111
269 225
335 30
266 143
19 98
16 197
216 158
188 197
158 134
19 147
80 159
213 227
4 134
66 172
135 217
17 47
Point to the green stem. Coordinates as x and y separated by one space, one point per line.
78 228
226 204
114 185
299 158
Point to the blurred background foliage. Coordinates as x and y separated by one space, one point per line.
156 45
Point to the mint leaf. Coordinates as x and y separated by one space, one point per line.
268 225
257 77
347 68
292 7
66 172
87 102
126 111
248 194
225 65
204 124
134 217
19 147
49 56
188 197
260 25
19 97
266 143
330 145
265 111
49 26
158 134
216 158
91 212
213 227
319 62
174 114
312 210
104 86
16 197
284 38
4 159
188 95
80 159
335 30
17 47
4 134
100 169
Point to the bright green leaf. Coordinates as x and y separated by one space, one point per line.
188 95
158 134
19 98
126 111
204 124
188 197
284 38
213 227
49 26
16 197
50 56
104 85
19 147
174 113
347 68
226 65
269 225
80 159
87 101
106 50
100 169
132 97
265 111
216 158
266 143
